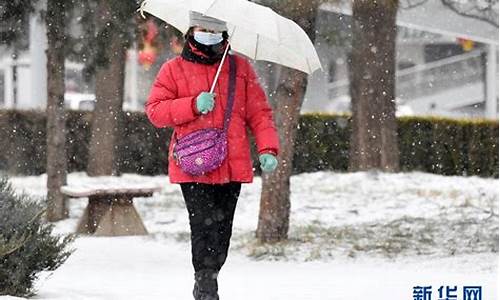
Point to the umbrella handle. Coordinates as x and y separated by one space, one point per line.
219 69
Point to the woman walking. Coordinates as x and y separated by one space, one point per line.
208 122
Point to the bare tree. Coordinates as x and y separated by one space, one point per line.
113 21
13 17
274 212
56 127
373 143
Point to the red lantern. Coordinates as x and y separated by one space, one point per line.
148 54
467 45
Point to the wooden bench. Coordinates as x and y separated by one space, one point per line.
110 210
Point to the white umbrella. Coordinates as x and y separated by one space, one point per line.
254 30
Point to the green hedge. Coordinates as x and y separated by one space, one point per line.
436 145
450 147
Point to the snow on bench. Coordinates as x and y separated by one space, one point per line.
110 211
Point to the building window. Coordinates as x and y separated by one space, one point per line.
434 52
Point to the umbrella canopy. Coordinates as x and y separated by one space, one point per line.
254 30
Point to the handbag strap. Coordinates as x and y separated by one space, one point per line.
230 91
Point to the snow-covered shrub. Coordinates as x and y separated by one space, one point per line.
27 246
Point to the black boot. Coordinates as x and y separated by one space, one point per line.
205 286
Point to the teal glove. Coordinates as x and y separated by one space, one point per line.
205 102
268 162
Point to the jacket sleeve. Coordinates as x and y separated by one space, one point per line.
259 115
163 108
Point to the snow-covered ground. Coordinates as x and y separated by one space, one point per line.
352 236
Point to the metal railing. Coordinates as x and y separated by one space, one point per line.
429 78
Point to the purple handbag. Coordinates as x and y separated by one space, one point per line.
204 150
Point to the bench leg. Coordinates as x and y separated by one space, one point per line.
95 210
111 217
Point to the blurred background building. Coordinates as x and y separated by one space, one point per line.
447 64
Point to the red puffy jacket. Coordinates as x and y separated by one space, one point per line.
172 103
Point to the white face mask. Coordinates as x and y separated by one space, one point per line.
208 38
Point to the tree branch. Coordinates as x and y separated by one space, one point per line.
474 9
480 10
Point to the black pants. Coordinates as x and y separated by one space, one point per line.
211 210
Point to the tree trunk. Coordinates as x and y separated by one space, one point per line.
106 119
56 131
274 214
374 142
